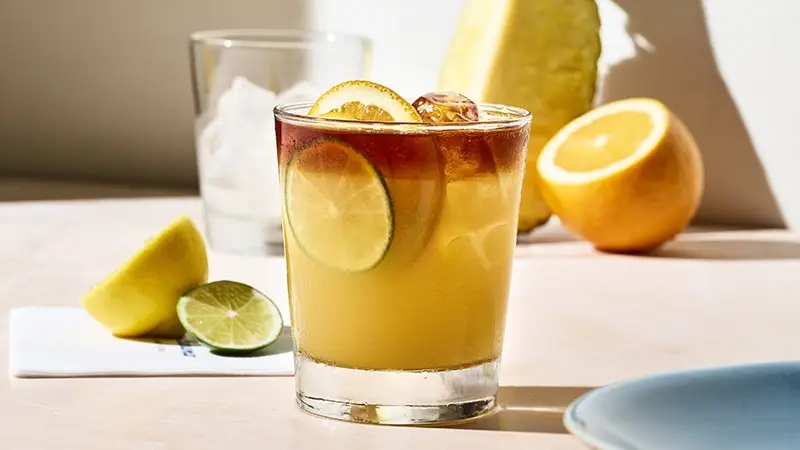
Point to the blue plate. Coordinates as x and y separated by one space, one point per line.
753 407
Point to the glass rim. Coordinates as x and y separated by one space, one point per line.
515 117
274 38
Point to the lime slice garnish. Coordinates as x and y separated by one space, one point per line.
338 206
229 316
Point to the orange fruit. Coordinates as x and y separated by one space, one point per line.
626 176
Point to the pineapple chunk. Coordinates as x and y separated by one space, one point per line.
540 55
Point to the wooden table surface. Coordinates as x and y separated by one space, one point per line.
577 319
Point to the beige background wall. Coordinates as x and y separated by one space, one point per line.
99 89
675 63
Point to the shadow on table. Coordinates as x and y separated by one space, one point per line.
546 235
556 234
738 249
532 409
282 345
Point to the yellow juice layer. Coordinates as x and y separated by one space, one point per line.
432 303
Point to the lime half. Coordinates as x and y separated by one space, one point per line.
338 206
230 316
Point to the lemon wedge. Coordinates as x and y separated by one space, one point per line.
364 100
626 176
140 297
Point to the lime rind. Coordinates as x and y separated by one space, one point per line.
318 254
230 317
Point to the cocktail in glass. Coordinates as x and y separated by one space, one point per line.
399 245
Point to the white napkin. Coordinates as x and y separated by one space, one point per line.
67 342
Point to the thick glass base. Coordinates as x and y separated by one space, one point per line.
396 397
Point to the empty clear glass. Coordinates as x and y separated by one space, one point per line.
238 77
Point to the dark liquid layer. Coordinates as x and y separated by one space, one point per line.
457 154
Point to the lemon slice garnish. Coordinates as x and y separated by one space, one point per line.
364 100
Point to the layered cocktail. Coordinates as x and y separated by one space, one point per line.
400 224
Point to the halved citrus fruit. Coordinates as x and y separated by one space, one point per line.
626 176
230 317
139 298
338 206
364 100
